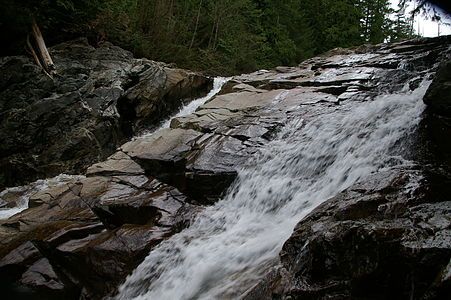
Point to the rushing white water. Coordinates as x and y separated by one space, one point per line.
231 244
218 83
25 192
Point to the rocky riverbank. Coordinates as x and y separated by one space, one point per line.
99 99
385 236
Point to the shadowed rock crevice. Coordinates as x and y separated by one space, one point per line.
127 118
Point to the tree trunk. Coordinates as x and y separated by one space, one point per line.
197 24
46 60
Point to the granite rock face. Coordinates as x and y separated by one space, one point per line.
98 99
81 238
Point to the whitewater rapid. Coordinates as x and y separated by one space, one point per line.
232 243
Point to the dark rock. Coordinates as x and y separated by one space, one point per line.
27 274
212 169
99 98
99 262
87 235
438 96
438 119
41 274
387 237
438 128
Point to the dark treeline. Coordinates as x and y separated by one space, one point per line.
219 36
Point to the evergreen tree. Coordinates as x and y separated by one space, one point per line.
376 21
402 28
221 36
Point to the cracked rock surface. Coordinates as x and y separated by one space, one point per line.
98 99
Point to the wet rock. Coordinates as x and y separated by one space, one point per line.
438 120
378 239
24 254
202 166
164 153
104 259
117 164
41 274
211 171
98 99
34 275
161 91
438 96
10 198
87 235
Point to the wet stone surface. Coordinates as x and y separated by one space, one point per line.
98 99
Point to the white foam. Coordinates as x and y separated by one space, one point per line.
230 244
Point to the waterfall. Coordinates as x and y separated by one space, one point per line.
28 190
231 244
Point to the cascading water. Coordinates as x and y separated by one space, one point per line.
28 190
231 244
218 83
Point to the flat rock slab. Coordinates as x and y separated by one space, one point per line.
165 145
117 164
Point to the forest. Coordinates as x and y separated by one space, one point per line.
216 36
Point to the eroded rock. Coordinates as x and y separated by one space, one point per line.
99 98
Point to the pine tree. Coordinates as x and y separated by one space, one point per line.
376 23
222 36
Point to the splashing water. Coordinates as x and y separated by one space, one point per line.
231 244
218 83
29 190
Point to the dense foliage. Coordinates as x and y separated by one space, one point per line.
221 36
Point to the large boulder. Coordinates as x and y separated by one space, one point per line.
98 99
386 237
